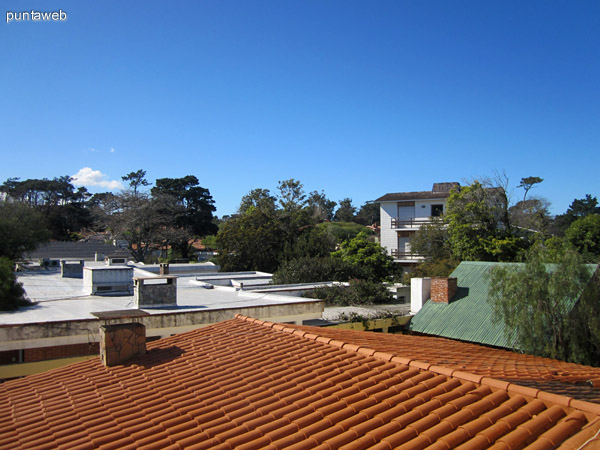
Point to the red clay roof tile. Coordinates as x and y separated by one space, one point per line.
247 384
549 375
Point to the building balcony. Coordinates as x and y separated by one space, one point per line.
411 222
397 254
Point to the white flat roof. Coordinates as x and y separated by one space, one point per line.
60 299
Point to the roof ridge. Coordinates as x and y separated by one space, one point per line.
513 388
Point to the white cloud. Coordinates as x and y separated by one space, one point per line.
89 177
112 150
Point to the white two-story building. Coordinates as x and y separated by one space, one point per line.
403 213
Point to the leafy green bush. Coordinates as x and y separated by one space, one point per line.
359 292
550 310
12 294
314 269
433 268
584 236
370 258
343 231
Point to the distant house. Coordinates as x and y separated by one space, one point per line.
88 251
457 307
249 384
403 214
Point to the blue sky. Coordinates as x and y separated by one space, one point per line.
356 98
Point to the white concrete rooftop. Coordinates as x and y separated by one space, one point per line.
60 299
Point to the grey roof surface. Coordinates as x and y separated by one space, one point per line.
468 316
60 299
75 250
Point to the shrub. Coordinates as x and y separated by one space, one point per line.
359 292
314 269
12 294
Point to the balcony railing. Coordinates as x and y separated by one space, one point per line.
397 254
410 222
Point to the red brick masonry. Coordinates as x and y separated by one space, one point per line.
443 289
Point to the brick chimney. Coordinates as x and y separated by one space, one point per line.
443 289
121 342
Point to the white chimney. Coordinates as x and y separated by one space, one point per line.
420 292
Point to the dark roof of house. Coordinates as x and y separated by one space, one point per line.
75 250
468 316
248 384
440 190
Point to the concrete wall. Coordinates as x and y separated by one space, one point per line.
423 207
46 334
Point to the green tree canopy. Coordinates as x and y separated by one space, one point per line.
531 216
549 310
584 236
251 241
61 204
314 269
146 223
369 256
22 229
198 207
358 292
259 199
12 294
477 225
344 231
368 214
136 180
527 183
432 241
579 208
291 195
345 212
320 206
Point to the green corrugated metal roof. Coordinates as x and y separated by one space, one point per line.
468 316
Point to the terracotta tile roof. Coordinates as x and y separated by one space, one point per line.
247 384
550 375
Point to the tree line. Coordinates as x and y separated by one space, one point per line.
301 238
175 213
172 213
